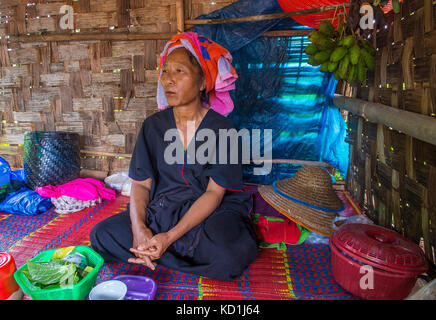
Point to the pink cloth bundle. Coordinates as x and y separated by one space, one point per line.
84 189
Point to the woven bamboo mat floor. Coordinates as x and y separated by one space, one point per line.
300 272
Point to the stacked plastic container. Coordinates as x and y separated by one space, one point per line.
376 263
8 285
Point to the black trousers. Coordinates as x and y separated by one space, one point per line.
226 247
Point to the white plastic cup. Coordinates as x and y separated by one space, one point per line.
109 290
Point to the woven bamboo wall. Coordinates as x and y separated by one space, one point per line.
100 89
392 175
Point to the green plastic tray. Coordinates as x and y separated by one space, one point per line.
79 291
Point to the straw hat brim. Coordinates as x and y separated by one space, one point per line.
323 195
315 220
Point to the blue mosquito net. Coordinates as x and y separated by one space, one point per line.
278 90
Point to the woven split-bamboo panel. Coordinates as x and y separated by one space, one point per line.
392 175
102 90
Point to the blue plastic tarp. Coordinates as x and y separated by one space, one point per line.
234 36
25 202
277 89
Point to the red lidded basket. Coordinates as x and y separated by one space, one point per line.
8 285
394 261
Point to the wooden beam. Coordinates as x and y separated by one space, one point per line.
268 16
284 161
180 15
297 162
286 33
106 154
417 125
120 36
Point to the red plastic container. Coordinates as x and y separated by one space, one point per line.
375 263
8 285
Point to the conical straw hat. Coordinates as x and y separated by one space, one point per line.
307 198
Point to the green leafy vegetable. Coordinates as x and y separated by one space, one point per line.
61 271
53 274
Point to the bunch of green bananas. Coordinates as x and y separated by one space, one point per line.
347 57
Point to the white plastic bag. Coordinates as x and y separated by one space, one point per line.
117 180
127 186
315 238
427 292
339 221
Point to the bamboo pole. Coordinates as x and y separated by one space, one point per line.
284 161
296 162
268 16
286 33
119 36
106 154
180 16
417 125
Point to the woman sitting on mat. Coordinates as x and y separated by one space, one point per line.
187 216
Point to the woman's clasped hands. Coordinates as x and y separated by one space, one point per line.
147 248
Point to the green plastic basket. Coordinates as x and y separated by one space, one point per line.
79 291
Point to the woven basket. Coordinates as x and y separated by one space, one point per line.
50 158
